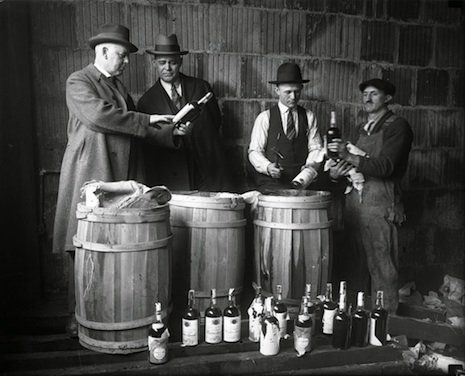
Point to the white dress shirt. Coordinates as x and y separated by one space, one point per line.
167 87
259 138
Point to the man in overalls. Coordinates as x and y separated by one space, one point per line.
373 211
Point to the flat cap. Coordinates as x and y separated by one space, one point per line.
383 85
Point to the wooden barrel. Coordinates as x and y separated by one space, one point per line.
292 242
208 246
122 267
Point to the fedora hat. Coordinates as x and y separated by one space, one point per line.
166 45
112 33
385 86
289 73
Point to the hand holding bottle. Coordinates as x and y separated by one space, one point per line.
182 129
274 170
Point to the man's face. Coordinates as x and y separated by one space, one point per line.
168 67
374 100
289 94
116 59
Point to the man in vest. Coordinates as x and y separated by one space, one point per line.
285 138
374 209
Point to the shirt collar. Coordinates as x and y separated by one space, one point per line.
101 70
167 86
282 108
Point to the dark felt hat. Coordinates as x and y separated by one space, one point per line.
166 45
112 33
288 73
383 85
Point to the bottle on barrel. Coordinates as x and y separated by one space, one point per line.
158 339
332 135
341 324
269 333
360 322
213 321
378 322
191 110
231 320
314 308
280 312
255 313
190 322
303 329
329 310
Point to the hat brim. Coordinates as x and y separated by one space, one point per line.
386 90
289 82
98 40
155 52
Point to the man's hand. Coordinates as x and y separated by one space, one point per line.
340 148
160 118
183 129
274 171
341 169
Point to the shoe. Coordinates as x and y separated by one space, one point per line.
72 327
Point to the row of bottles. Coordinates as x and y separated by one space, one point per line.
268 319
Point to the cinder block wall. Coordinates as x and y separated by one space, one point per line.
237 46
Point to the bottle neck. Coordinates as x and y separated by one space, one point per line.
329 293
360 301
379 301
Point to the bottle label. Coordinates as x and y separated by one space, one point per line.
232 329
302 340
213 329
328 318
374 340
255 312
269 342
190 332
158 349
282 320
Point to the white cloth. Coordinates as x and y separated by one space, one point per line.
259 137
167 87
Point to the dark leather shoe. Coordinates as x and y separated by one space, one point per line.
72 327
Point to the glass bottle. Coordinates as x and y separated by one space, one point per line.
360 322
378 322
255 313
332 135
231 320
190 322
329 310
280 311
341 324
158 339
303 329
269 333
213 321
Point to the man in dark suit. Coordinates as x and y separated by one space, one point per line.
103 131
199 163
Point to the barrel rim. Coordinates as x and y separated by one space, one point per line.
318 196
82 208
236 202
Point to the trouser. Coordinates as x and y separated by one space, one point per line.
71 292
373 241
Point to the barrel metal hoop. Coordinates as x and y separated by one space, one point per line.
110 326
134 247
239 223
294 226
219 293
136 344
295 205
208 205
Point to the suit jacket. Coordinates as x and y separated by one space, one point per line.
103 130
199 163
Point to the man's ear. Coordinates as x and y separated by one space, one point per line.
388 98
276 89
105 52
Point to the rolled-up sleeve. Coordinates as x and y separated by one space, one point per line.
258 141
315 145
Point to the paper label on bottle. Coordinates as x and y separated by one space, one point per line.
158 349
282 320
232 328
328 318
213 326
190 332
269 343
255 312
302 340
373 339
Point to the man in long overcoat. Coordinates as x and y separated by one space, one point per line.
103 131
199 163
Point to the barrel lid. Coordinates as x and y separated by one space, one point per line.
293 195
207 200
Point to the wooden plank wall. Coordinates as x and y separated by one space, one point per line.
237 46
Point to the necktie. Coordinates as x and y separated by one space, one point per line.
175 97
290 128
369 126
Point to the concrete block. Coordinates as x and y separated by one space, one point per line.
53 24
441 11
370 70
134 76
238 119
416 119
333 36
446 208
432 87
353 7
313 6
402 78
273 4
426 168
454 176
375 9
445 128
341 80
222 2
378 41
256 71
458 87
450 46
236 160
222 72
415 45
403 10
312 69
146 22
